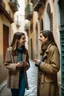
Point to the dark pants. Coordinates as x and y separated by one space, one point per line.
21 90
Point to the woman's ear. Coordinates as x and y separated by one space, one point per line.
46 38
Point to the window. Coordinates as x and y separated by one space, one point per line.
41 24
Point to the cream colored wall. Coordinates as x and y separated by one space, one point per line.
21 20
8 7
4 20
26 1
32 35
35 16
36 33
3 71
55 20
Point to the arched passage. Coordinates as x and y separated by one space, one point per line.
49 18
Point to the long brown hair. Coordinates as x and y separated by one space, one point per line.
49 34
16 37
14 43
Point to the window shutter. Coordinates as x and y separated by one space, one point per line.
62 61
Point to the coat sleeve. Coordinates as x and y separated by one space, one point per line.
54 65
8 61
28 63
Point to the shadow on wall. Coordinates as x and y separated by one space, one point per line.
3 70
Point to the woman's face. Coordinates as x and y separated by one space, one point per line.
22 40
42 39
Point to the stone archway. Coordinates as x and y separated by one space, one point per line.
50 17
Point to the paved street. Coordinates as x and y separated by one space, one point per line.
5 92
32 79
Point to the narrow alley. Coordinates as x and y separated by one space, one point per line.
33 18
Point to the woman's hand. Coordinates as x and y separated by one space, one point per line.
19 64
24 64
36 61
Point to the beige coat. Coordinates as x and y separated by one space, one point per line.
13 72
48 72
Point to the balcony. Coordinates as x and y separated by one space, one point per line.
18 24
2 3
29 11
38 3
14 5
5 12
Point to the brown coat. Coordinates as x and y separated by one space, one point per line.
13 72
48 71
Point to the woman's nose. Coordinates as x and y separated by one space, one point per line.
24 40
39 38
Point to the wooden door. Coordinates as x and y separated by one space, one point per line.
5 40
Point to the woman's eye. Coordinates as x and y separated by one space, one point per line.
40 36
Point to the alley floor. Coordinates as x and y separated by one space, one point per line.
32 79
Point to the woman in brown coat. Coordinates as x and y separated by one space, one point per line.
17 63
48 66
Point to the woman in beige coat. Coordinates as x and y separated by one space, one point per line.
48 66
17 63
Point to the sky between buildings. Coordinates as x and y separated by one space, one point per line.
22 6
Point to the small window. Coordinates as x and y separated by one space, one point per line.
41 24
48 9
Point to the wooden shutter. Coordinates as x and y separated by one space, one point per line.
5 40
62 61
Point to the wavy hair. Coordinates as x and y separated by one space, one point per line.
16 37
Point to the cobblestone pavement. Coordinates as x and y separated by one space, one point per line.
32 79
5 91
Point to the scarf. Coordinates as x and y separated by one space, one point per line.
20 52
20 55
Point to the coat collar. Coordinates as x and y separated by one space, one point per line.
47 51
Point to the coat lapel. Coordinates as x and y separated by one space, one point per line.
47 51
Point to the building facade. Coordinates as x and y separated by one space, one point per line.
50 16
32 29
7 10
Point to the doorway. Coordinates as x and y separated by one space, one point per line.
5 40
